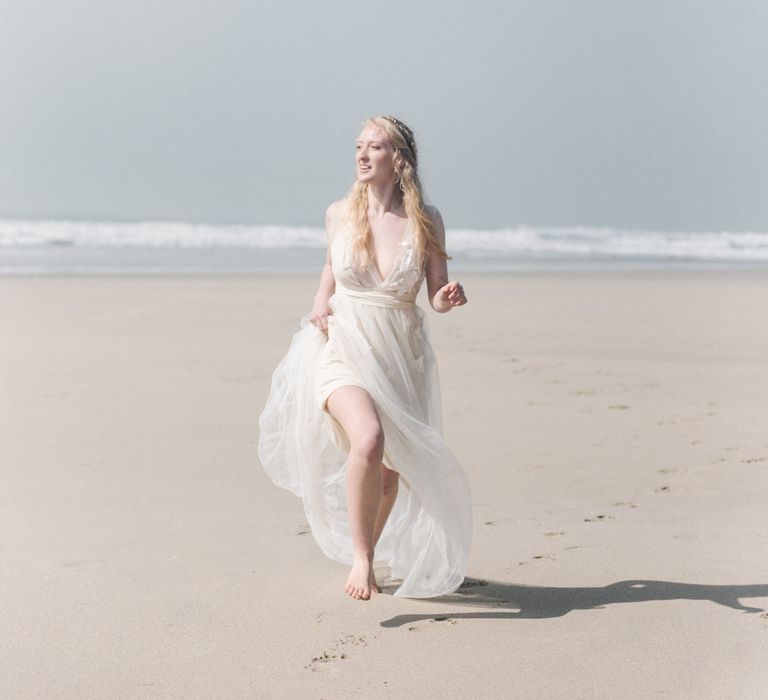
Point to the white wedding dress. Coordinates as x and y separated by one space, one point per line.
377 339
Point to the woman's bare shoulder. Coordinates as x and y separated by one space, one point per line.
334 207
433 213
437 220
333 216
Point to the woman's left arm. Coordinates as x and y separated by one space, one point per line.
443 295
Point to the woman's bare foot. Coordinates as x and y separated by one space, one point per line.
361 583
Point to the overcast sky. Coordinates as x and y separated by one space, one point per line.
644 114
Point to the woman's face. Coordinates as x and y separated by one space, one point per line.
374 156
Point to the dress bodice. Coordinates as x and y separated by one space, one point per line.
399 288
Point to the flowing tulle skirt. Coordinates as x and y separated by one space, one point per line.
385 350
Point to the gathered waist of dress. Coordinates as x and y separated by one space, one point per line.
375 297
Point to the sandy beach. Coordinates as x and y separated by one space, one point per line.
614 427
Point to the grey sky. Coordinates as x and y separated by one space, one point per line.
636 114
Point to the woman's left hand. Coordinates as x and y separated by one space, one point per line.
450 295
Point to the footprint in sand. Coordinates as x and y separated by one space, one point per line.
336 654
667 471
598 518
549 557
324 658
628 504
473 583
751 460
663 489
686 537
437 618
443 618
618 407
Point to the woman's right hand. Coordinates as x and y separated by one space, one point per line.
318 317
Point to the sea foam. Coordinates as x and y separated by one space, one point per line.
41 245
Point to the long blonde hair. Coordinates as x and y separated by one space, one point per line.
404 161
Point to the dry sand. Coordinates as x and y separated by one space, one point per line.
614 427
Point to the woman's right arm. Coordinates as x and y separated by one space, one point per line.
320 308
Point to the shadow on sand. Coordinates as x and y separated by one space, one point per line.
513 601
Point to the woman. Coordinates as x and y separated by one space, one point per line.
352 424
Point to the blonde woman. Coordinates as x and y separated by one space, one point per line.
352 424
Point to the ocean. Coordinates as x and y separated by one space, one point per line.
30 247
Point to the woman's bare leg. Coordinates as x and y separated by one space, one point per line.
355 411
390 481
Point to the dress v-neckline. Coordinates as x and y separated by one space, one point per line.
398 256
